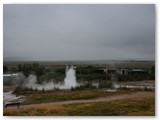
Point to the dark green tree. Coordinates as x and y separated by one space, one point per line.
5 69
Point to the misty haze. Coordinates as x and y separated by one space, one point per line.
79 32
79 59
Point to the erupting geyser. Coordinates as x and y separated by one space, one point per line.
70 79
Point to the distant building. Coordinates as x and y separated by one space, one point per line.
105 70
123 71
101 70
138 72
112 71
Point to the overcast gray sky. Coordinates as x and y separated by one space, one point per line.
79 32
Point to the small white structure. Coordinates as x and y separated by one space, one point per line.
10 75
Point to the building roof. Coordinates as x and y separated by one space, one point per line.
139 70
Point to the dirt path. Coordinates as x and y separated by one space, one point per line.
103 99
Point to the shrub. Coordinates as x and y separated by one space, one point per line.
105 84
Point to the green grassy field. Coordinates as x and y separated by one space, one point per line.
141 106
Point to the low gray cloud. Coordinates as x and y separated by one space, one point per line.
79 32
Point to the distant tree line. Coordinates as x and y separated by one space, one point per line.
87 73
34 68
85 70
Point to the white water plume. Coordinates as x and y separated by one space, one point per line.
70 79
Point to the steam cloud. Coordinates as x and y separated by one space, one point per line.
69 81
